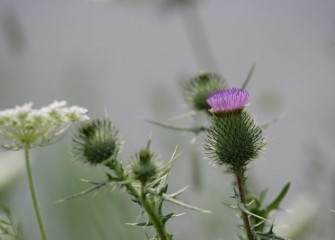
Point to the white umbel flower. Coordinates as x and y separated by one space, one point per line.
37 127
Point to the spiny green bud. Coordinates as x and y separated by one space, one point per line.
234 139
143 167
197 89
96 142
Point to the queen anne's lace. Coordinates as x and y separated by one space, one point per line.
37 127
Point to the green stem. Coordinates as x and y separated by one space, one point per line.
154 216
144 202
33 193
118 170
240 185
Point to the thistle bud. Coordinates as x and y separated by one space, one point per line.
197 89
233 138
144 167
97 142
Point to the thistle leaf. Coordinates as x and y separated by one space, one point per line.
177 202
141 224
173 195
276 202
270 235
84 192
249 75
195 129
243 208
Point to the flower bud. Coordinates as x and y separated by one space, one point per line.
144 167
97 142
233 138
197 89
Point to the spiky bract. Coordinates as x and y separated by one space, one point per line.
197 89
234 139
97 142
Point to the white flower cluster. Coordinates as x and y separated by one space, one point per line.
37 127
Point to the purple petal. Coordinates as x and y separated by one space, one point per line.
227 100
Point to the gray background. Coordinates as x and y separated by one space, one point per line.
129 58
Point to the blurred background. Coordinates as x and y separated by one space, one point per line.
129 58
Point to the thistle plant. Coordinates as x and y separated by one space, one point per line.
234 139
144 179
25 128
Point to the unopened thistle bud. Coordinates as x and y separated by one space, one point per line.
144 167
97 142
197 89
233 138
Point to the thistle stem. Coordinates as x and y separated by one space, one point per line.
240 185
120 173
33 192
153 216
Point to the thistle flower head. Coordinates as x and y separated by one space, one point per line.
227 100
97 142
37 127
144 167
197 89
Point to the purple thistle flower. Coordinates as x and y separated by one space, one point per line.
227 100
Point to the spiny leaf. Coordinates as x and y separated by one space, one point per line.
167 167
175 194
187 115
270 235
149 223
175 201
276 202
242 207
96 187
247 79
167 217
141 224
195 129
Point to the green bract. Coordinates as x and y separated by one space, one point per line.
234 139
